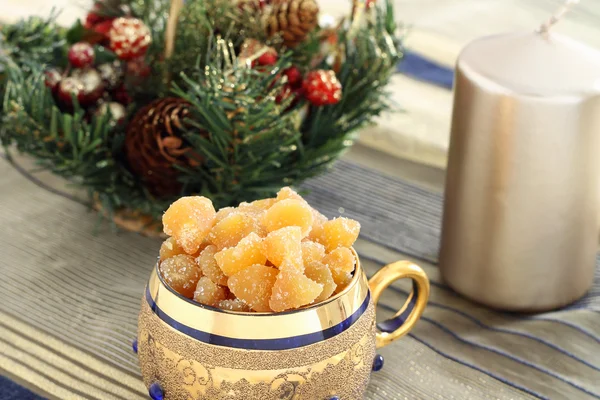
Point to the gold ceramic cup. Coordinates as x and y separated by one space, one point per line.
320 352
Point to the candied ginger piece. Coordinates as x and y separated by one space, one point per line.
341 262
181 273
209 293
233 305
170 248
288 193
189 220
285 244
319 273
208 265
293 289
341 279
339 232
288 212
341 258
312 252
223 213
254 285
249 251
257 206
317 227
231 229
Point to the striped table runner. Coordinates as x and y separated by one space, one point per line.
70 292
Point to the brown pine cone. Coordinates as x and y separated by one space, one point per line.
154 143
294 19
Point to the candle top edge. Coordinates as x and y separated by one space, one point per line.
534 63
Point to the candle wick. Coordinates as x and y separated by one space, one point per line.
560 12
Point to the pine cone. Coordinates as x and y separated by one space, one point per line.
294 19
154 143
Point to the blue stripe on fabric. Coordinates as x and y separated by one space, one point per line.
483 371
10 390
510 357
423 69
466 364
571 325
260 344
502 330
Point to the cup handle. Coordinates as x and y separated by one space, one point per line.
401 323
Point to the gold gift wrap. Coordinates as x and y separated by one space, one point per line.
324 351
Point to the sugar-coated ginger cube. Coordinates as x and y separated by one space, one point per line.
312 252
189 220
288 212
341 262
341 258
285 244
209 293
293 289
341 279
249 251
170 248
339 232
181 273
254 285
317 227
288 193
224 212
233 305
319 273
257 206
208 265
231 229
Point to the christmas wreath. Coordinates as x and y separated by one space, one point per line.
146 100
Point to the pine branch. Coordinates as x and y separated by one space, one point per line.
370 57
248 143
236 108
33 41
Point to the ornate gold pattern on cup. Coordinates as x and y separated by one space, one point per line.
314 353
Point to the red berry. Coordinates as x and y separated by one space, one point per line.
81 55
111 74
267 58
94 16
129 38
68 87
53 78
322 87
93 87
120 95
117 111
92 19
294 76
138 67
103 28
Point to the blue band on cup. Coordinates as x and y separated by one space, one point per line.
260 344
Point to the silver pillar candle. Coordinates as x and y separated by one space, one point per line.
521 212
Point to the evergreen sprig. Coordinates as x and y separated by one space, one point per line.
248 142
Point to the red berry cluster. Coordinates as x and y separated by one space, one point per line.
129 38
81 55
322 87
101 88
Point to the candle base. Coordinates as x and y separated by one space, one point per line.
504 306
